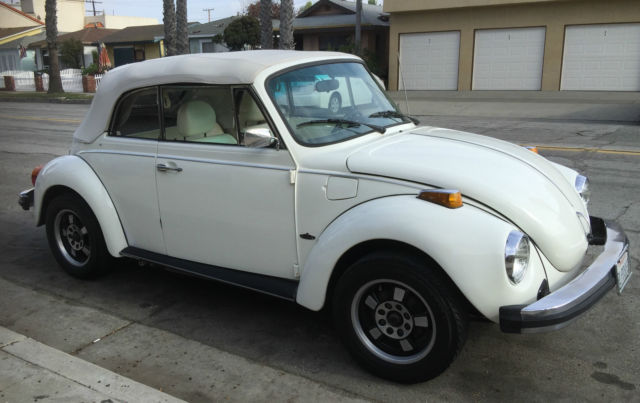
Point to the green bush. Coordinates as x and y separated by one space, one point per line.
91 70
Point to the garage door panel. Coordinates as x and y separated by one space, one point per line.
601 57
429 61
508 59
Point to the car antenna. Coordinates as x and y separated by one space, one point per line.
404 87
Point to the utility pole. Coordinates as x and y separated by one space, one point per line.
93 5
208 10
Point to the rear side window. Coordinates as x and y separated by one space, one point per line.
137 115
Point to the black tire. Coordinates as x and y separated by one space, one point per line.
335 103
399 317
75 237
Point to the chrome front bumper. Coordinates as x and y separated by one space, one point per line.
26 199
557 309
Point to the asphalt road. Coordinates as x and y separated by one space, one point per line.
203 341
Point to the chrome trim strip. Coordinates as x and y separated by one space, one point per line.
582 287
222 162
115 152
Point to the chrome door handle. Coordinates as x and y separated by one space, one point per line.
165 168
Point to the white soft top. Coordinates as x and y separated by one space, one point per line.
206 68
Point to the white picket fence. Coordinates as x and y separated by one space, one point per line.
71 80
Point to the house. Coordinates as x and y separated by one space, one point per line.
135 44
206 38
330 25
90 38
17 31
546 45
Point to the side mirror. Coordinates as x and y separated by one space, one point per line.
327 85
259 137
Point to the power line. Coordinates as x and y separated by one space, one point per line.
208 10
93 5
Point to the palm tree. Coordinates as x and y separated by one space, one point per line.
286 24
169 20
182 36
266 28
51 22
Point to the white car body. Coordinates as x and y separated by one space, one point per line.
289 215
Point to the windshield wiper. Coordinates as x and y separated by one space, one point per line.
393 114
343 122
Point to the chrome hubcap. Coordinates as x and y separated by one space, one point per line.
334 104
393 321
72 238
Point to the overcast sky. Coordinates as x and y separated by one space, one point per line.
153 8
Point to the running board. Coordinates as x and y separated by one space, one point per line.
275 286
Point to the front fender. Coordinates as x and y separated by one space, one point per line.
73 172
467 243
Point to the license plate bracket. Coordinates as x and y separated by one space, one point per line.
623 271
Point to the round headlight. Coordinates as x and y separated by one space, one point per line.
516 256
582 186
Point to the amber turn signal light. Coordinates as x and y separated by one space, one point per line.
444 197
533 149
34 174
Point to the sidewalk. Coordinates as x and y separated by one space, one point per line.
547 105
34 371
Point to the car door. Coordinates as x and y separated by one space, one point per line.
124 160
224 203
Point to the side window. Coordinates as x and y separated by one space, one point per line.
137 115
199 114
253 128
361 93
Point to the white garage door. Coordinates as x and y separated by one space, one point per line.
508 59
601 57
429 61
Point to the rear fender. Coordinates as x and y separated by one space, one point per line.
74 173
467 243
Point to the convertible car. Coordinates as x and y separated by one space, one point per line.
220 165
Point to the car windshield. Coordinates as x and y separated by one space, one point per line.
328 103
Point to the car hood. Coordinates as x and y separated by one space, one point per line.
519 184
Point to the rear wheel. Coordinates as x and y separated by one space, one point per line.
398 317
75 237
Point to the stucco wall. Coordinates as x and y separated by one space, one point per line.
11 19
554 15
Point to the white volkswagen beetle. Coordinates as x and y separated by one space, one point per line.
210 164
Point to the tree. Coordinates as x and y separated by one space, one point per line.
286 24
254 9
242 31
266 27
51 23
358 26
169 20
182 36
307 5
373 2
71 51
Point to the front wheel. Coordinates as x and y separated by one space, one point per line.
398 317
75 237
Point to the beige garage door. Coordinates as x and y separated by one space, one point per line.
601 57
429 61
508 59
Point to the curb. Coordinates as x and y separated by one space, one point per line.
31 368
